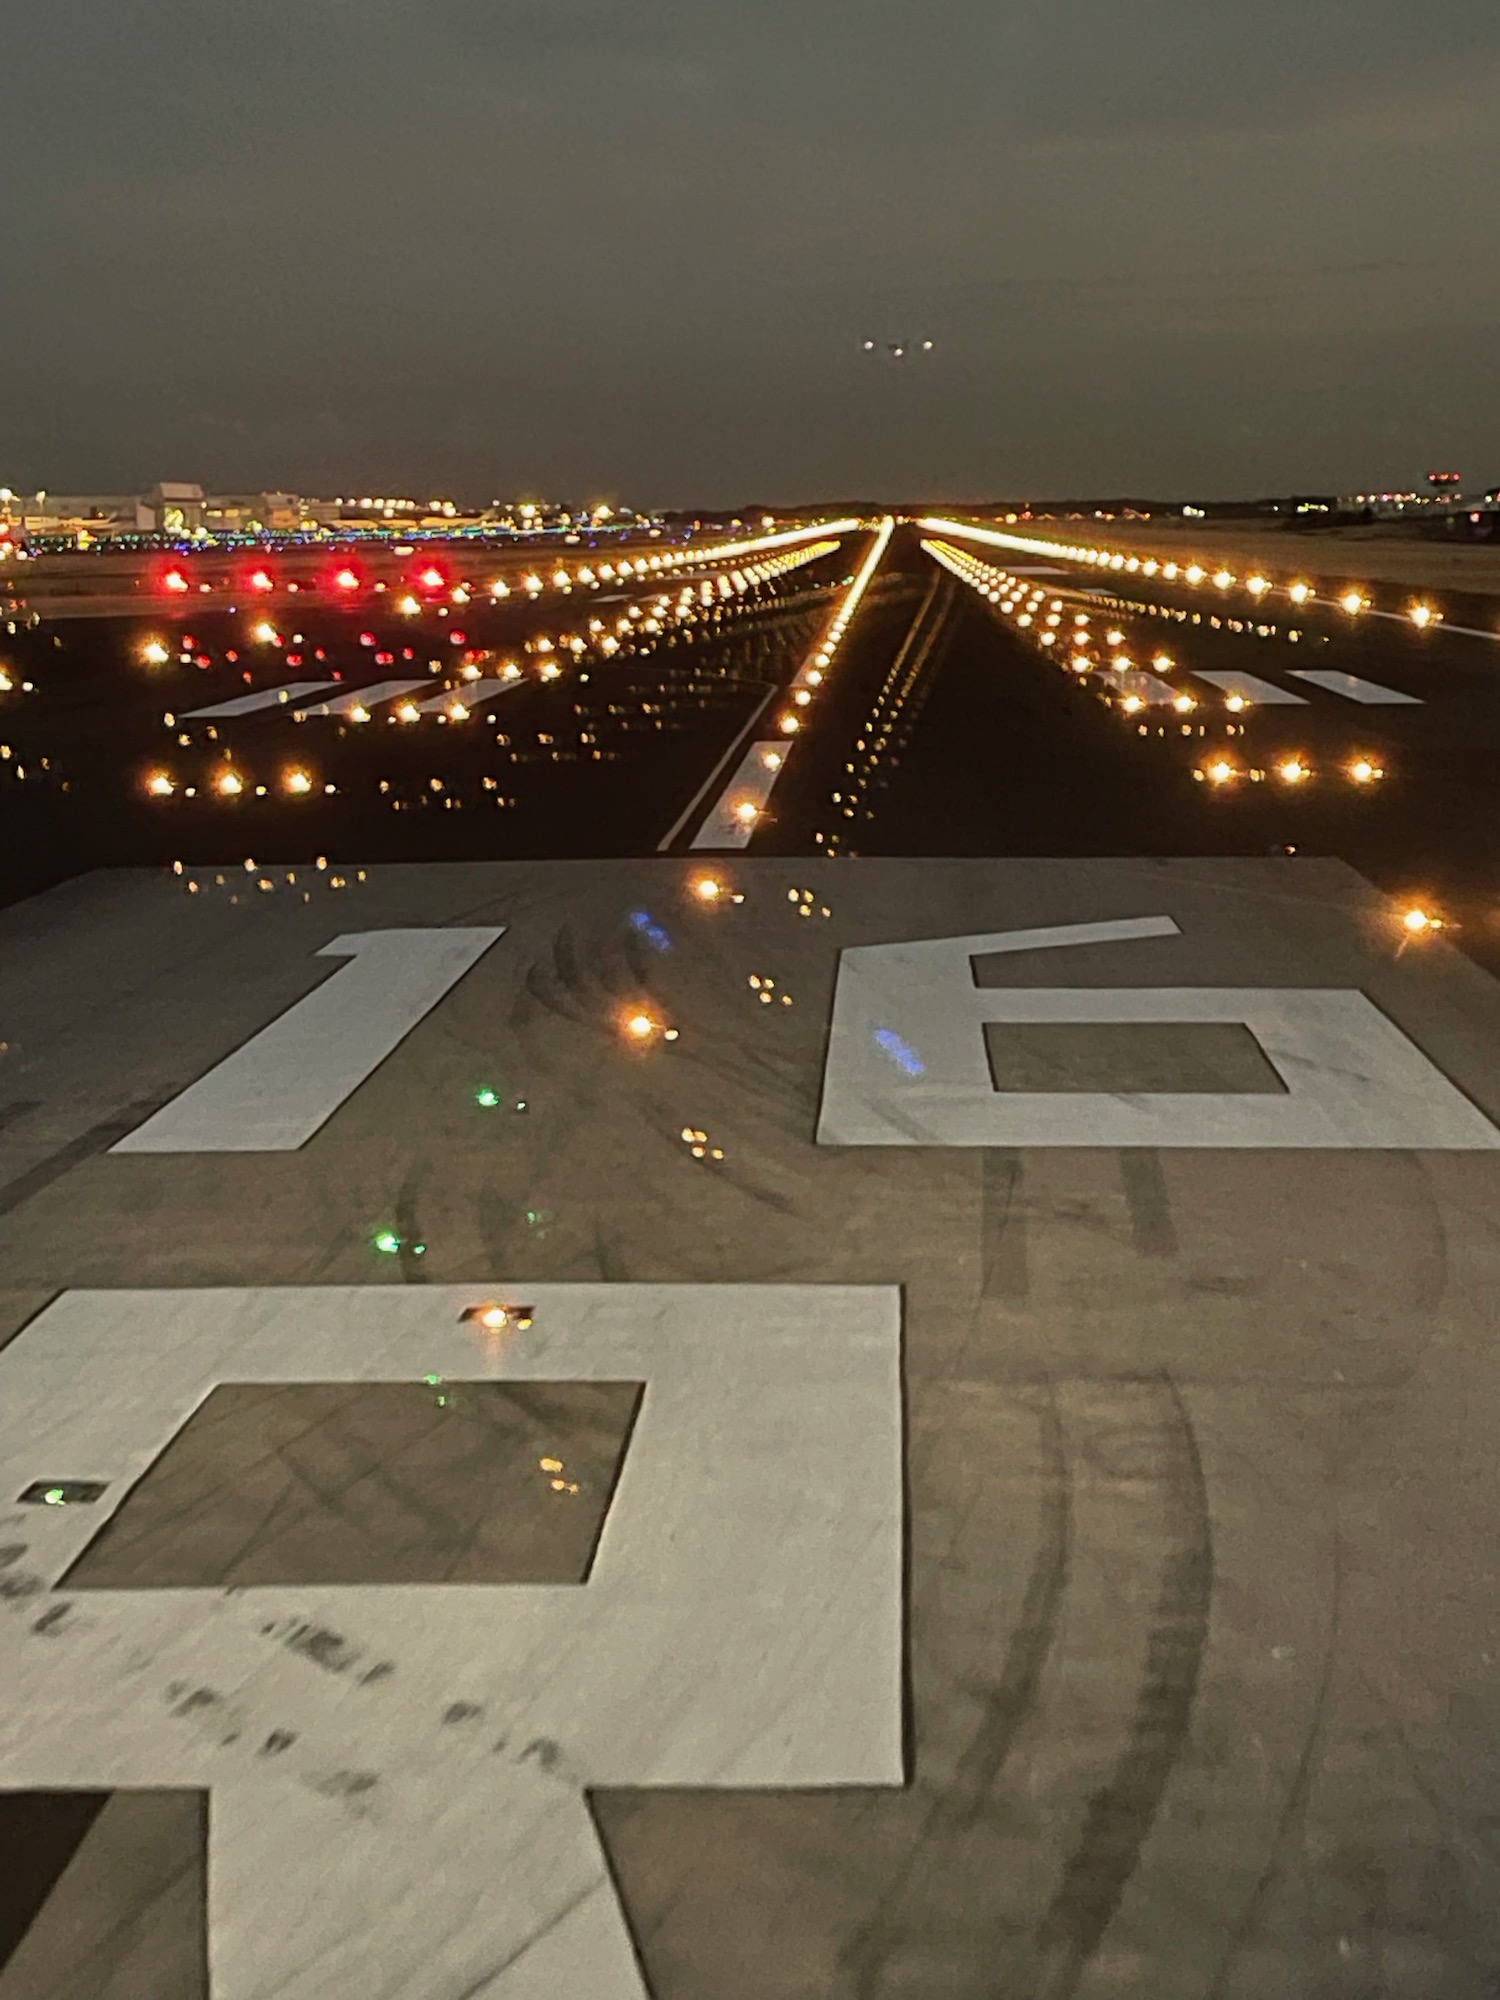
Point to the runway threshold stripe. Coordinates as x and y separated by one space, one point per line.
472 695
1143 687
1250 687
247 704
1352 688
751 785
365 697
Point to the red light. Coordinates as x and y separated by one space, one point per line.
367 638
458 638
174 580
261 580
432 578
347 580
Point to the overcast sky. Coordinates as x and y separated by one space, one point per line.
588 248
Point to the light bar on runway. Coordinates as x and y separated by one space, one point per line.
736 813
1421 615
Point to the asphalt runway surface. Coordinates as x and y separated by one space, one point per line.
984 747
683 1344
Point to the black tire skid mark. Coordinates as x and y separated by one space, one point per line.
1295 1808
1122 1812
1008 1708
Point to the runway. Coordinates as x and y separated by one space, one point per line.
889 1396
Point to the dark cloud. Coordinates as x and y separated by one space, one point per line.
592 245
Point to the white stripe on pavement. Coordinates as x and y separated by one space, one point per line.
472 695
365 697
247 704
273 1093
1148 688
750 787
1352 688
1250 687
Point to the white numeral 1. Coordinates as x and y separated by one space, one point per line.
272 1095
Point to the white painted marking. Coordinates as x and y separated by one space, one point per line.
1251 688
717 772
365 697
473 694
907 1065
273 1094
742 1625
1352 688
1148 688
247 704
752 785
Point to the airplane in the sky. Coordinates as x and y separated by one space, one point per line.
899 350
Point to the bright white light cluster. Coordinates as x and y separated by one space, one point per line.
692 557
1076 644
644 622
814 669
1351 599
